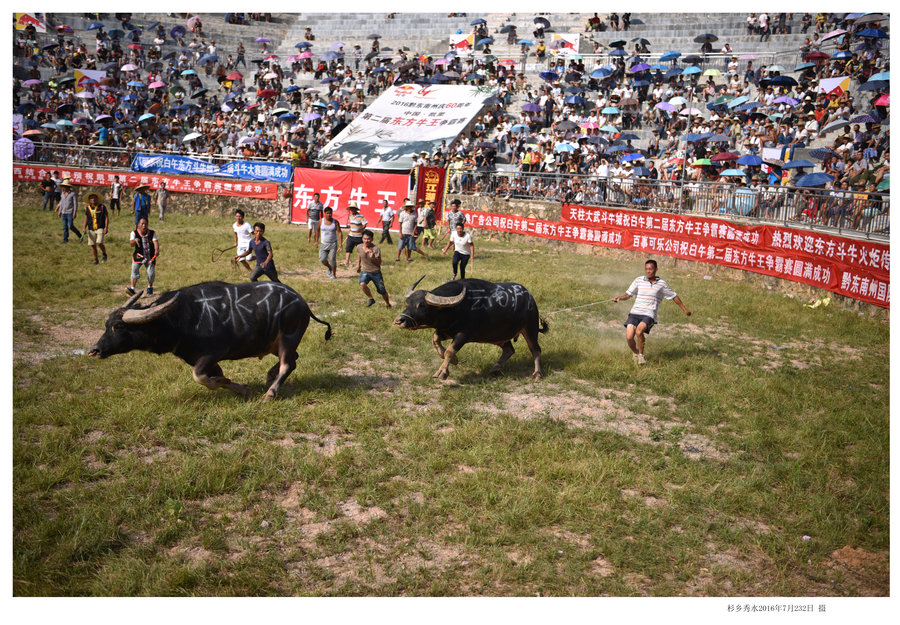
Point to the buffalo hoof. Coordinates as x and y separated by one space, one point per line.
454 360
269 396
440 374
536 376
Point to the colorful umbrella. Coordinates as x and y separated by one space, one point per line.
23 148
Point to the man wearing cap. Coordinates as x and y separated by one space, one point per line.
96 224
141 203
67 210
356 223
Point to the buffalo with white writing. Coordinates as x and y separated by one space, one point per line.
475 311
214 321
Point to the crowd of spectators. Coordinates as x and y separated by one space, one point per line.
573 120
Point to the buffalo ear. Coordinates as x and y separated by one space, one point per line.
444 302
137 317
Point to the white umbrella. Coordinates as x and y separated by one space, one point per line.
690 111
270 76
130 67
85 94
678 100
191 137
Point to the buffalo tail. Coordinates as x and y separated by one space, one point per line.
324 323
545 327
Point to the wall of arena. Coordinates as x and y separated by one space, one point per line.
279 211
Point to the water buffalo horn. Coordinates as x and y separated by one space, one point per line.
133 299
444 302
148 314
413 287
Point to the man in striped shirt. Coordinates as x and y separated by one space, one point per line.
648 291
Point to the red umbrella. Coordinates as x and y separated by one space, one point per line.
725 156
507 62
266 93
234 76
134 46
65 29
815 56
884 100
32 133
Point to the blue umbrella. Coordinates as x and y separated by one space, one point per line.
331 55
146 116
640 171
640 83
292 89
844 54
738 101
208 58
660 67
693 69
804 66
872 33
629 136
783 81
476 22
798 163
436 78
822 153
671 55
116 33
751 160
734 172
327 80
95 26
880 76
486 40
600 72
674 71
531 107
616 148
136 83
574 99
718 138
610 110
875 85
618 52
519 128
633 156
865 119
303 44
527 42
177 32
816 179
287 117
565 147
549 75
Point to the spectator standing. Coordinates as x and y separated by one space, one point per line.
327 235
96 224
115 192
313 217
386 219
243 234
162 199
146 250
68 210
356 223
407 221
463 250
141 203
429 221
48 186
648 290
368 266
262 249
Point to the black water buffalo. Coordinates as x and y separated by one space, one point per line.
212 321
475 311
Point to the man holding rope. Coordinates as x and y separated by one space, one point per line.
648 290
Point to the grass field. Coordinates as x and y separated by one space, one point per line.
750 456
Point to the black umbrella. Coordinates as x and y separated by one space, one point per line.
641 41
692 59
373 36
371 55
543 21
704 37
507 28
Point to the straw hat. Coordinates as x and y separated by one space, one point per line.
141 187
94 194
352 206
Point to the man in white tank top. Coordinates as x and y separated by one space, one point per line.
329 238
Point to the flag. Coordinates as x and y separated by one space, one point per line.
828 85
24 19
87 74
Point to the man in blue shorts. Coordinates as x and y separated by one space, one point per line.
648 290
368 266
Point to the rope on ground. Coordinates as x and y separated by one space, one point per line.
582 306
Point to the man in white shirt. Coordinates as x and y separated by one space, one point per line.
386 218
243 233
648 291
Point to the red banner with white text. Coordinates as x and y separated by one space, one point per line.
337 188
855 268
430 187
254 189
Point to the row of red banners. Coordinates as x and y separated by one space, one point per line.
857 269
253 189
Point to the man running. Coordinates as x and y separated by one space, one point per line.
262 249
648 291
243 234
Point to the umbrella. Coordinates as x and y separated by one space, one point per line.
884 100
751 160
786 100
734 172
869 18
641 41
331 55
565 147
629 137
738 101
188 72
842 55
640 67
725 156
31 82
192 22
797 164
311 117
287 117
527 42
63 28
266 93
616 148
94 26
678 100
804 66
146 116
693 69
64 122
700 162
822 153
116 33
884 185
816 179
875 85
666 106
865 119
519 128
199 93
477 21
880 76
208 58
136 83
719 139
633 156
868 33
486 40
135 46
610 110
611 128
692 59
86 95
23 148
712 72
574 99
640 171
616 52
704 37
262 40
129 67
783 81
507 28
191 137
542 21
531 107
673 71
32 133
549 76
303 44
671 55
600 72
617 43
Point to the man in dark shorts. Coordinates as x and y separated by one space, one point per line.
356 223
262 249
648 291
368 266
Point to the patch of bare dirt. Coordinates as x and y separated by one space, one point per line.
868 572
326 444
603 410
600 567
194 555
649 500
72 338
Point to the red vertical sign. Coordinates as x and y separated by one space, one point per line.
430 187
